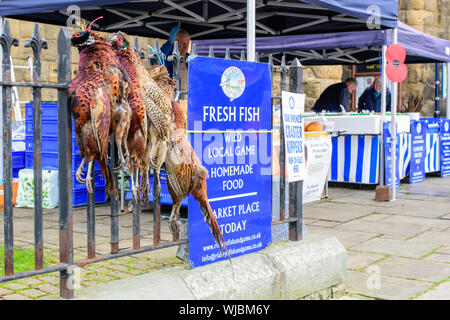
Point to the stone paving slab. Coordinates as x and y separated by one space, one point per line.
440 292
418 208
414 269
339 213
357 260
402 229
434 224
436 237
360 201
347 238
396 247
389 287
438 257
375 217
445 250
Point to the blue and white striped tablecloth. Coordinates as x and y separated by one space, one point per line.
356 158
432 155
404 143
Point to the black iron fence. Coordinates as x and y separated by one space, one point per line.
66 265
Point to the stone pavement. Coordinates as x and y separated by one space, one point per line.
396 250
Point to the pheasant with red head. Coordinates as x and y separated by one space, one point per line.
137 135
157 108
97 96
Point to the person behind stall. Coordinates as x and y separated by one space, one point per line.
370 99
336 98
183 38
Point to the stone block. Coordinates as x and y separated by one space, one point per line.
328 72
53 72
250 277
50 54
313 264
284 270
415 4
419 17
312 89
26 30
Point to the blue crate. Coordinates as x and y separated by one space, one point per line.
75 149
79 197
49 128
49 145
15 172
98 178
49 161
18 159
49 110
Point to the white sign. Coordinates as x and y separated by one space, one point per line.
318 159
293 124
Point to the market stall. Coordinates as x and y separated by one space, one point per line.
358 147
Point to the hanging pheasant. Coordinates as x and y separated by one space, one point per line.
158 110
91 104
185 173
137 135
98 58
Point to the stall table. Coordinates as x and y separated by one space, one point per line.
356 145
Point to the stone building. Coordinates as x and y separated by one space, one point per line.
430 16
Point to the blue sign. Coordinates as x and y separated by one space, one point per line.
229 120
445 148
387 157
417 162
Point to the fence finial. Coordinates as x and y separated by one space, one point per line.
37 44
193 51
227 53
211 52
7 41
137 49
271 66
242 55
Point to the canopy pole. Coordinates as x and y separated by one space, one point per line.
383 110
1 109
436 90
251 20
448 90
394 127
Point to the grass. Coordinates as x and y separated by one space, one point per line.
23 260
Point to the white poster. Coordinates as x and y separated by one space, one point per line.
293 106
318 159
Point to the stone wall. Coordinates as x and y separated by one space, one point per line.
23 30
432 17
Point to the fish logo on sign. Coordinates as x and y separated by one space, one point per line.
233 83
446 126
419 128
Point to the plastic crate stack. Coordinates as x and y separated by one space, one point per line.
50 152
18 162
18 147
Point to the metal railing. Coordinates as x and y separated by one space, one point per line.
66 264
